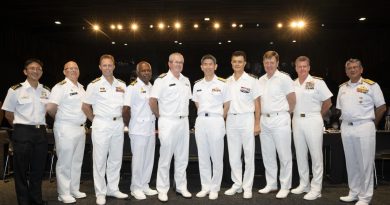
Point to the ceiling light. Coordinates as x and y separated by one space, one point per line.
293 24
216 25
177 25
362 18
151 26
271 43
279 25
322 25
294 41
301 24
241 25
234 25
257 25
134 26
113 27
113 43
220 43
207 19
125 44
161 25
119 26
229 41
57 22
196 25
176 41
180 43
96 27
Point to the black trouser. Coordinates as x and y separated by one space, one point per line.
30 152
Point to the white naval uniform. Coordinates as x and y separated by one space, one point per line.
210 130
173 97
240 128
308 129
69 134
107 132
141 133
275 133
357 102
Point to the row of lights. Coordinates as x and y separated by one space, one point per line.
219 43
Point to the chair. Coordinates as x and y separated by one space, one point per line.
7 171
382 155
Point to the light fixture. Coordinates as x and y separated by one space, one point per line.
362 18
322 25
207 19
161 25
217 25
294 41
279 25
220 43
196 25
176 41
134 26
113 43
241 25
229 41
119 26
57 22
180 43
177 25
257 25
113 27
96 27
125 44
151 26
234 25
271 43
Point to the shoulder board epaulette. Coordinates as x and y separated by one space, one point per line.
318 78
343 84
222 79
96 80
284 73
253 76
133 82
162 75
198 80
368 81
121 81
62 82
47 88
14 87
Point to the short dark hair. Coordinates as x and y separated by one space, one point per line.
32 60
239 53
208 56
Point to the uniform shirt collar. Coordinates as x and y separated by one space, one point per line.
244 76
170 75
360 81
114 82
27 85
215 79
71 83
141 82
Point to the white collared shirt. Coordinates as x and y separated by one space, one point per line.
310 94
68 97
211 95
243 93
275 91
357 101
27 103
106 99
142 118
173 94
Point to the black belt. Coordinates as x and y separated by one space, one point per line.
33 126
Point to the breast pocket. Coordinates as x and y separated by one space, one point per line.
24 100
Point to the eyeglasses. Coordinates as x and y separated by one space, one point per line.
72 69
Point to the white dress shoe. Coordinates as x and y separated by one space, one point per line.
348 198
283 193
361 203
213 195
202 193
79 194
66 199
163 197
312 196
139 195
185 193
101 200
118 195
232 191
300 190
266 190
247 195
150 192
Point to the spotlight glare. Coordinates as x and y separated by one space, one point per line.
119 26
207 19
279 25
234 25
217 25
229 41
151 26
294 41
57 22
161 25
113 43
362 18
176 41
301 24
125 44
293 24
220 43
241 25
196 25
113 27
177 25
134 26
180 43
96 27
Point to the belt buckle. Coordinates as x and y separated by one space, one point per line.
37 126
302 115
268 115
206 114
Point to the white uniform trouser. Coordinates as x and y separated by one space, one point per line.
209 134
239 130
70 144
174 136
308 136
359 148
107 140
142 148
275 137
